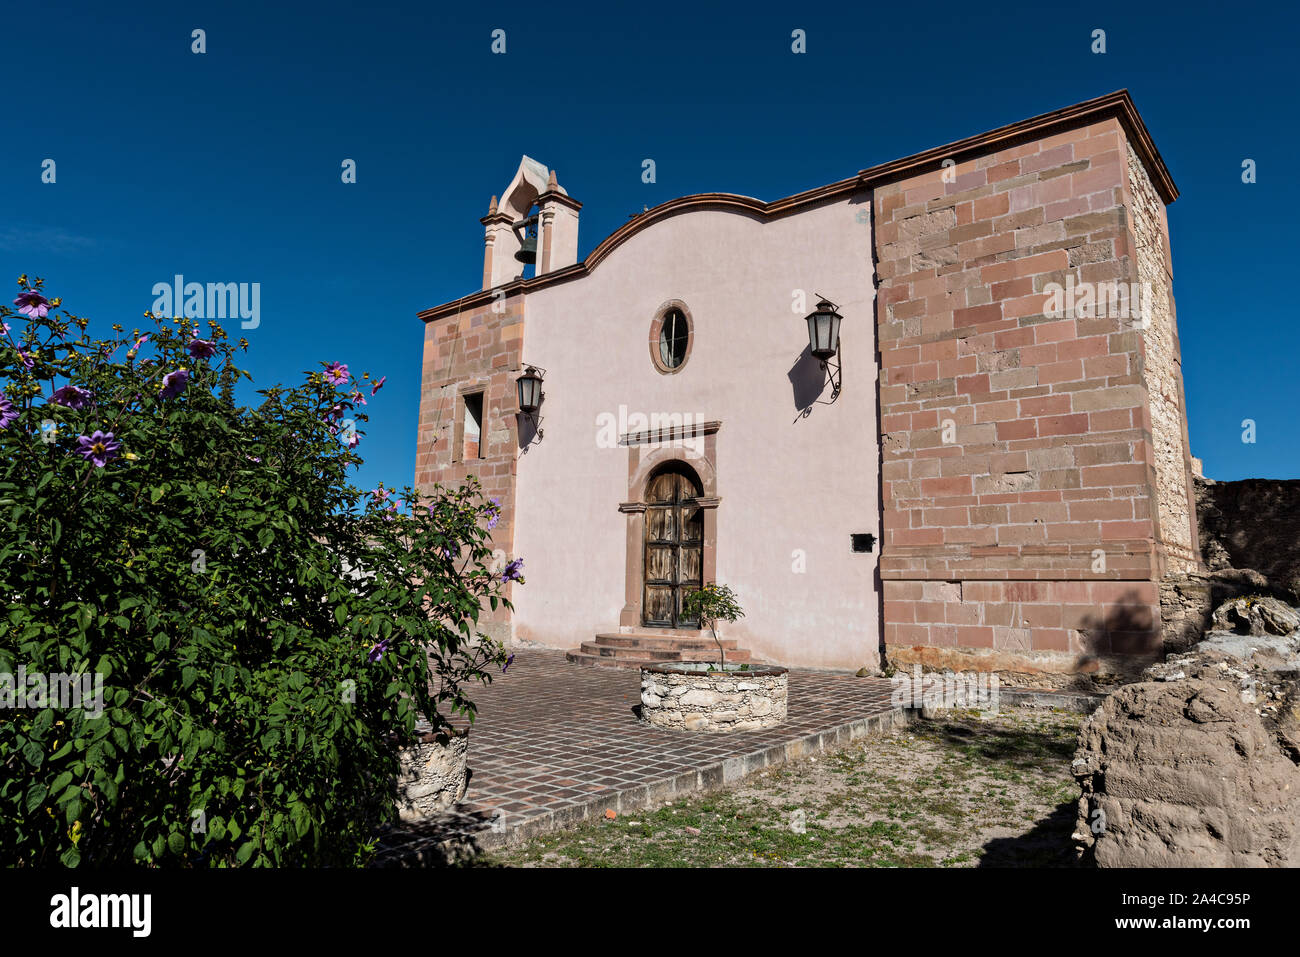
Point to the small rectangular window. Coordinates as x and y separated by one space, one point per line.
473 441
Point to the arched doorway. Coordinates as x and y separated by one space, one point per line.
674 545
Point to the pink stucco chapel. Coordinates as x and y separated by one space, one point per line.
698 437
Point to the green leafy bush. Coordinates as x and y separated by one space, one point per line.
267 635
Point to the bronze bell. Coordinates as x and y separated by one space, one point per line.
528 251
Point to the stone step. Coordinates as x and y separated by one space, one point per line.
612 651
659 654
647 632
642 640
579 657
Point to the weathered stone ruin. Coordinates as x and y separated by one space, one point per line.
1198 767
1198 764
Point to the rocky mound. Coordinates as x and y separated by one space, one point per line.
1199 764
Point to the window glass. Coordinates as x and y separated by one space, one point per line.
673 336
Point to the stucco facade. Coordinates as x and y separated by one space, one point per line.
790 488
1023 473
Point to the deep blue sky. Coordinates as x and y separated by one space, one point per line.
225 166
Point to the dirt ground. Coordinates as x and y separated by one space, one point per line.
964 789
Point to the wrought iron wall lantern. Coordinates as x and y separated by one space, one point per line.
529 388
824 341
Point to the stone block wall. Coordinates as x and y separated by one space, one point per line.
1253 524
1019 468
476 351
1162 371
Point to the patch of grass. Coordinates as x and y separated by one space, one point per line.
956 791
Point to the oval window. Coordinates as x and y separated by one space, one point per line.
674 335
670 337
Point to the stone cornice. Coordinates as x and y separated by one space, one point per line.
1118 104
562 199
670 434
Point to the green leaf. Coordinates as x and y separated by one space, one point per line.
34 754
36 795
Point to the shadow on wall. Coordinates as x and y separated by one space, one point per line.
1130 631
528 429
808 382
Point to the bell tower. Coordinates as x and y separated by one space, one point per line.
535 223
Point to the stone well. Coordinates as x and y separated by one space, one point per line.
433 777
694 696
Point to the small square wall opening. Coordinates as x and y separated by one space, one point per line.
863 541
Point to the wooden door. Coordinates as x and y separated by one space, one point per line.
674 548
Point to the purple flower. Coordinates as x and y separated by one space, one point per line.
174 383
4 331
202 348
511 574
32 304
27 359
7 413
71 396
507 664
336 412
336 373
377 652
139 342
493 514
99 448
378 385
358 398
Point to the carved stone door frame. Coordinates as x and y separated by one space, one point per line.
647 454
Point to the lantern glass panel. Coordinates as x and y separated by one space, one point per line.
818 333
529 387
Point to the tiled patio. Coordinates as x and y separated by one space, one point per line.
556 743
